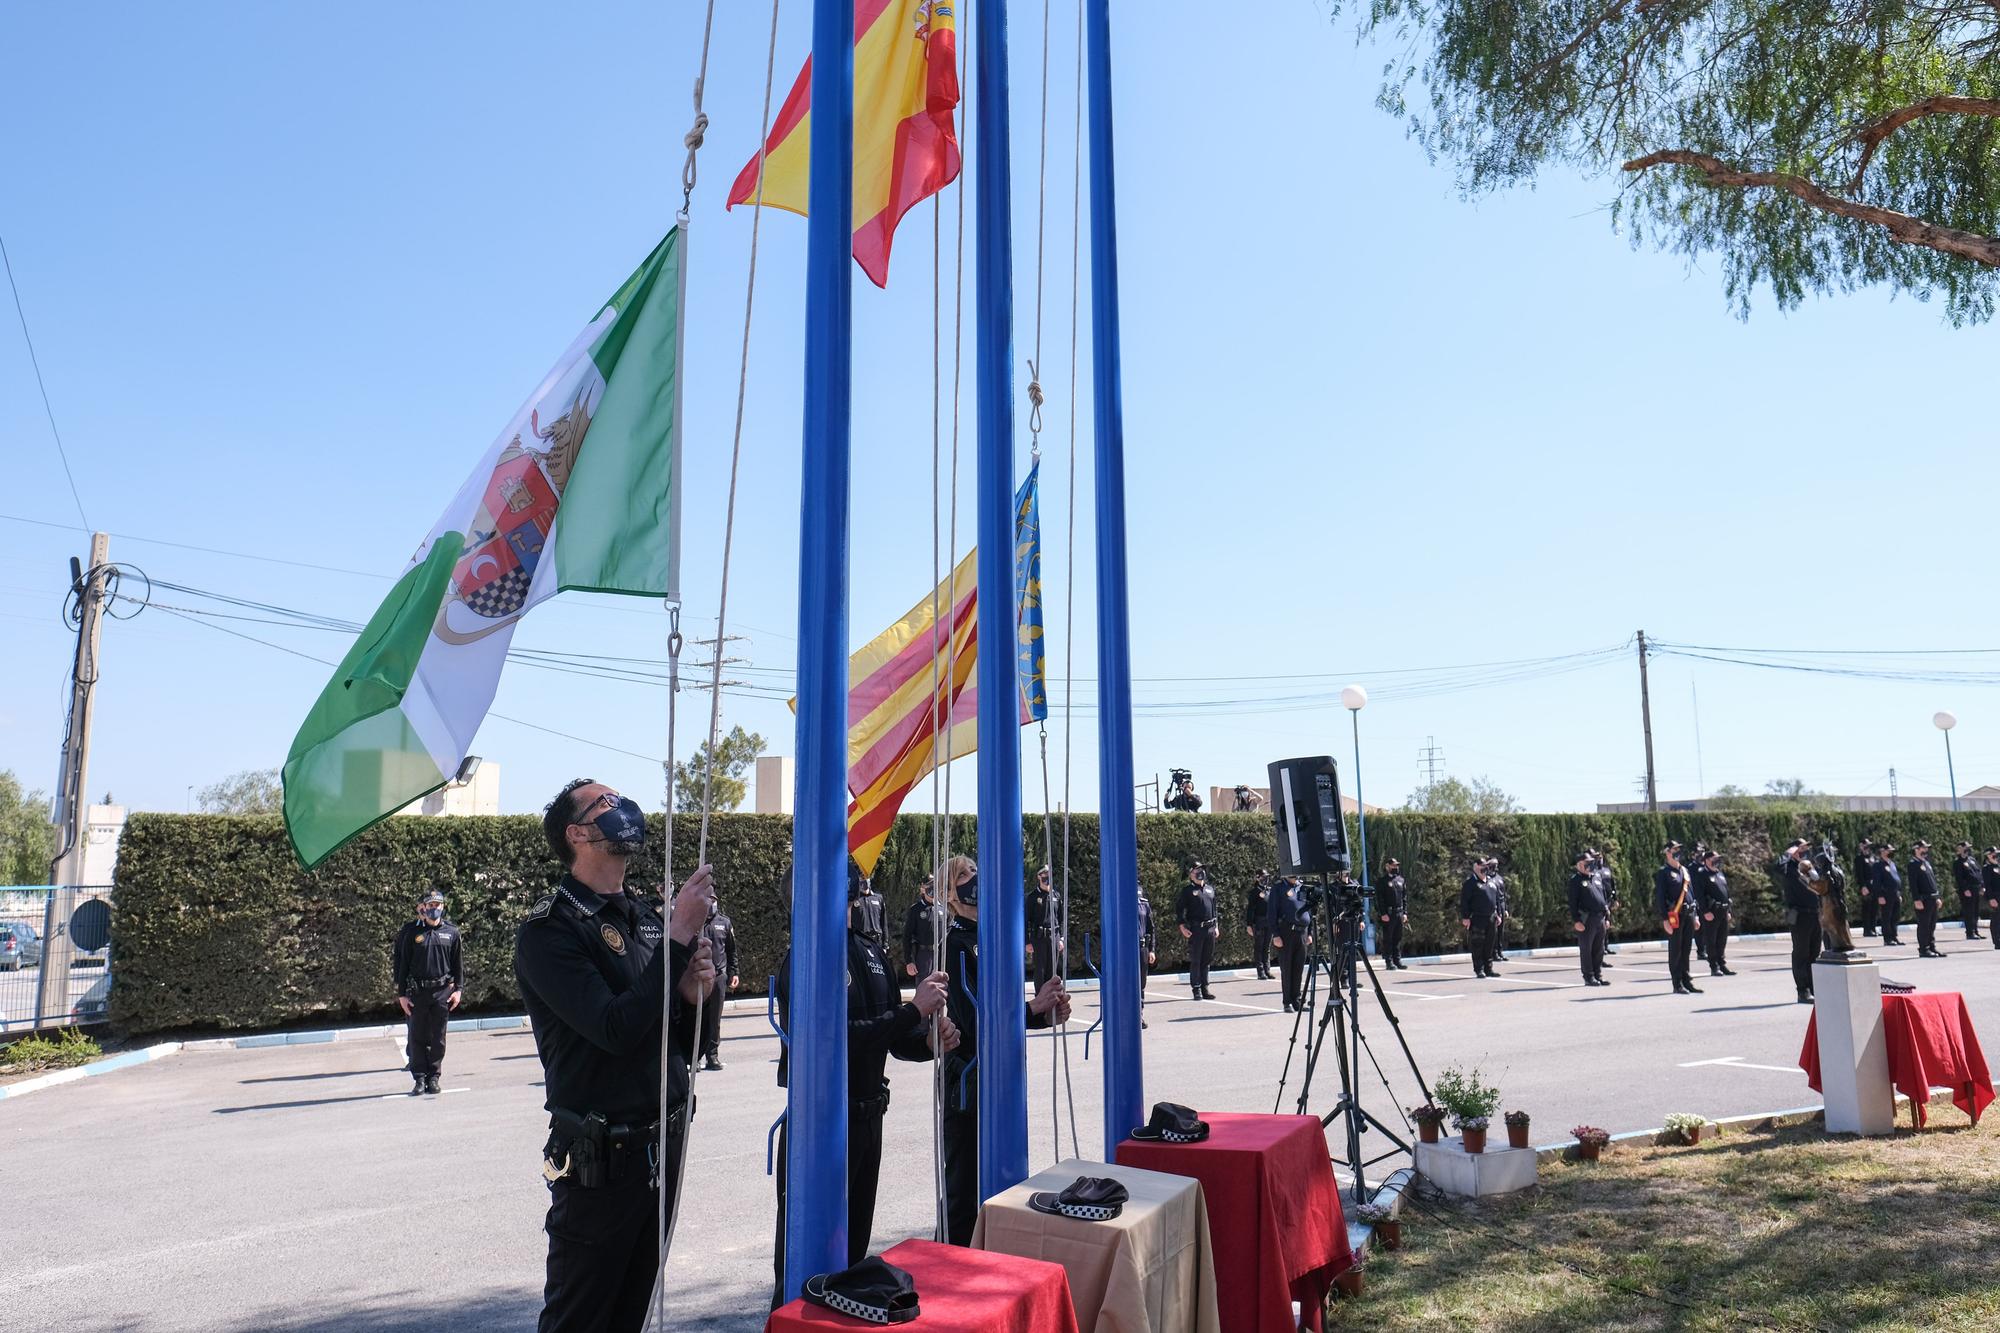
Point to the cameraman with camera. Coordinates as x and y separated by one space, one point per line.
1181 795
1199 927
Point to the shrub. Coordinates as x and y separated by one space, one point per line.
67 1048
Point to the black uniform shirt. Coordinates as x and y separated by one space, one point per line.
961 961
1798 886
721 933
1923 882
424 953
1391 896
1146 943
1711 891
1497 886
1888 881
1196 909
1670 891
1475 901
1586 896
880 1023
1965 873
920 925
594 978
1257 908
1288 906
1043 904
865 914
1989 879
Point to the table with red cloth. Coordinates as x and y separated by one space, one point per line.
960 1291
1931 1045
1274 1215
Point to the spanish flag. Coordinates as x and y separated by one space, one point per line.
893 718
905 143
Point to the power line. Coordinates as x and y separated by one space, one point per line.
36 362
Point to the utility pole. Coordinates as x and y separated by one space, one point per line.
1646 717
90 586
1892 789
1430 759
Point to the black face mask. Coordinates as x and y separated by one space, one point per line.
968 892
623 827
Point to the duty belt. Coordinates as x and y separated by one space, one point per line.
429 982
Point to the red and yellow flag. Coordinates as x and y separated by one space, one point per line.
905 142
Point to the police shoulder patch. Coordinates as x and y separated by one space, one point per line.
542 908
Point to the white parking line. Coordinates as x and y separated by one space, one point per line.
410 1097
1738 1062
1231 1004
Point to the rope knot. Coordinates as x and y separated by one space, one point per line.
1035 393
693 138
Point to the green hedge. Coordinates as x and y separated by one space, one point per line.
215 926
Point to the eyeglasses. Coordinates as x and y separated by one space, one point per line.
605 801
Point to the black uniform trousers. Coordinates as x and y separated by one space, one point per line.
961 1165
1292 964
1716 932
1993 925
1969 909
1701 940
1888 916
604 1246
711 1021
1805 948
1926 925
1201 952
1479 940
1867 908
1045 956
1262 951
430 1011
1590 947
864 1172
1679 945
1389 938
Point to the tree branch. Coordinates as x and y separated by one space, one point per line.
1901 226
1871 135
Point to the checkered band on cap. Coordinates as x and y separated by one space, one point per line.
848 1306
1086 1213
1175 1136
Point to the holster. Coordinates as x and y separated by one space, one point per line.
582 1140
877 1105
961 1084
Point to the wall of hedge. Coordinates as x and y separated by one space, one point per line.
215 926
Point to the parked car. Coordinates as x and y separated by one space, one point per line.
20 946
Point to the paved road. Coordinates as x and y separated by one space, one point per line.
294 1188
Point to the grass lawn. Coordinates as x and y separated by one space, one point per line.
1782 1228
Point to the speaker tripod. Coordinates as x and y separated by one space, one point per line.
1356 1119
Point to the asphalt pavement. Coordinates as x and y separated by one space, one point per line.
297 1188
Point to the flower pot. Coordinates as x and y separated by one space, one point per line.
1389 1235
1475 1140
1693 1136
1517 1136
1587 1152
1427 1130
1349 1283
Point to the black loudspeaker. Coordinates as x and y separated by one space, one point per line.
1305 809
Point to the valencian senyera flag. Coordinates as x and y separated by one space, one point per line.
905 143
579 491
892 716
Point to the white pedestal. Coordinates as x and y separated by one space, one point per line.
1853 1049
1452 1169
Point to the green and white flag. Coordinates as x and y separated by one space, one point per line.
581 490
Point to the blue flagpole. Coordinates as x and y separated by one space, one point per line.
816 1105
1118 852
1003 1040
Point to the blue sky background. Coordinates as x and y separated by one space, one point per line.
288 268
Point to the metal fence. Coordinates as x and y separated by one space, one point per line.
55 956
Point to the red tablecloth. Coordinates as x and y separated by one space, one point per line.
960 1291
1931 1045
1274 1214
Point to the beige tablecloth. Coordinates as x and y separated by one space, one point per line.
1149 1268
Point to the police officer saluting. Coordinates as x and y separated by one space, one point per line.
1674 904
920 928
1588 911
1802 906
1965 876
1391 912
1885 891
1924 899
429 972
1711 896
1196 914
596 966
1476 910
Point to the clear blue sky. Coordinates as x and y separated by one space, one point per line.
289 268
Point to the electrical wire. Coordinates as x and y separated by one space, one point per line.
36 362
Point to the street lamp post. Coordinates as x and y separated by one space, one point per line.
1944 722
1354 698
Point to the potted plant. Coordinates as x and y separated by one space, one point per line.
1590 1141
1517 1129
1471 1103
1379 1216
1687 1125
1429 1118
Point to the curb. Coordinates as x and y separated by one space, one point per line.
122 1061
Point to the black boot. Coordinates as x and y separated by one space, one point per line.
417 1088
431 1085
1805 997
1693 989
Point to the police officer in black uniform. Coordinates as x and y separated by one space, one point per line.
1044 922
1257 923
1195 911
1673 903
1588 912
1496 884
596 967
1476 910
1291 936
1392 912
865 910
1885 891
1148 950
1965 876
1989 892
1711 898
1864 880
429 972
1924 899
720 932
920 931
1049 1007
880 1023
1802 906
